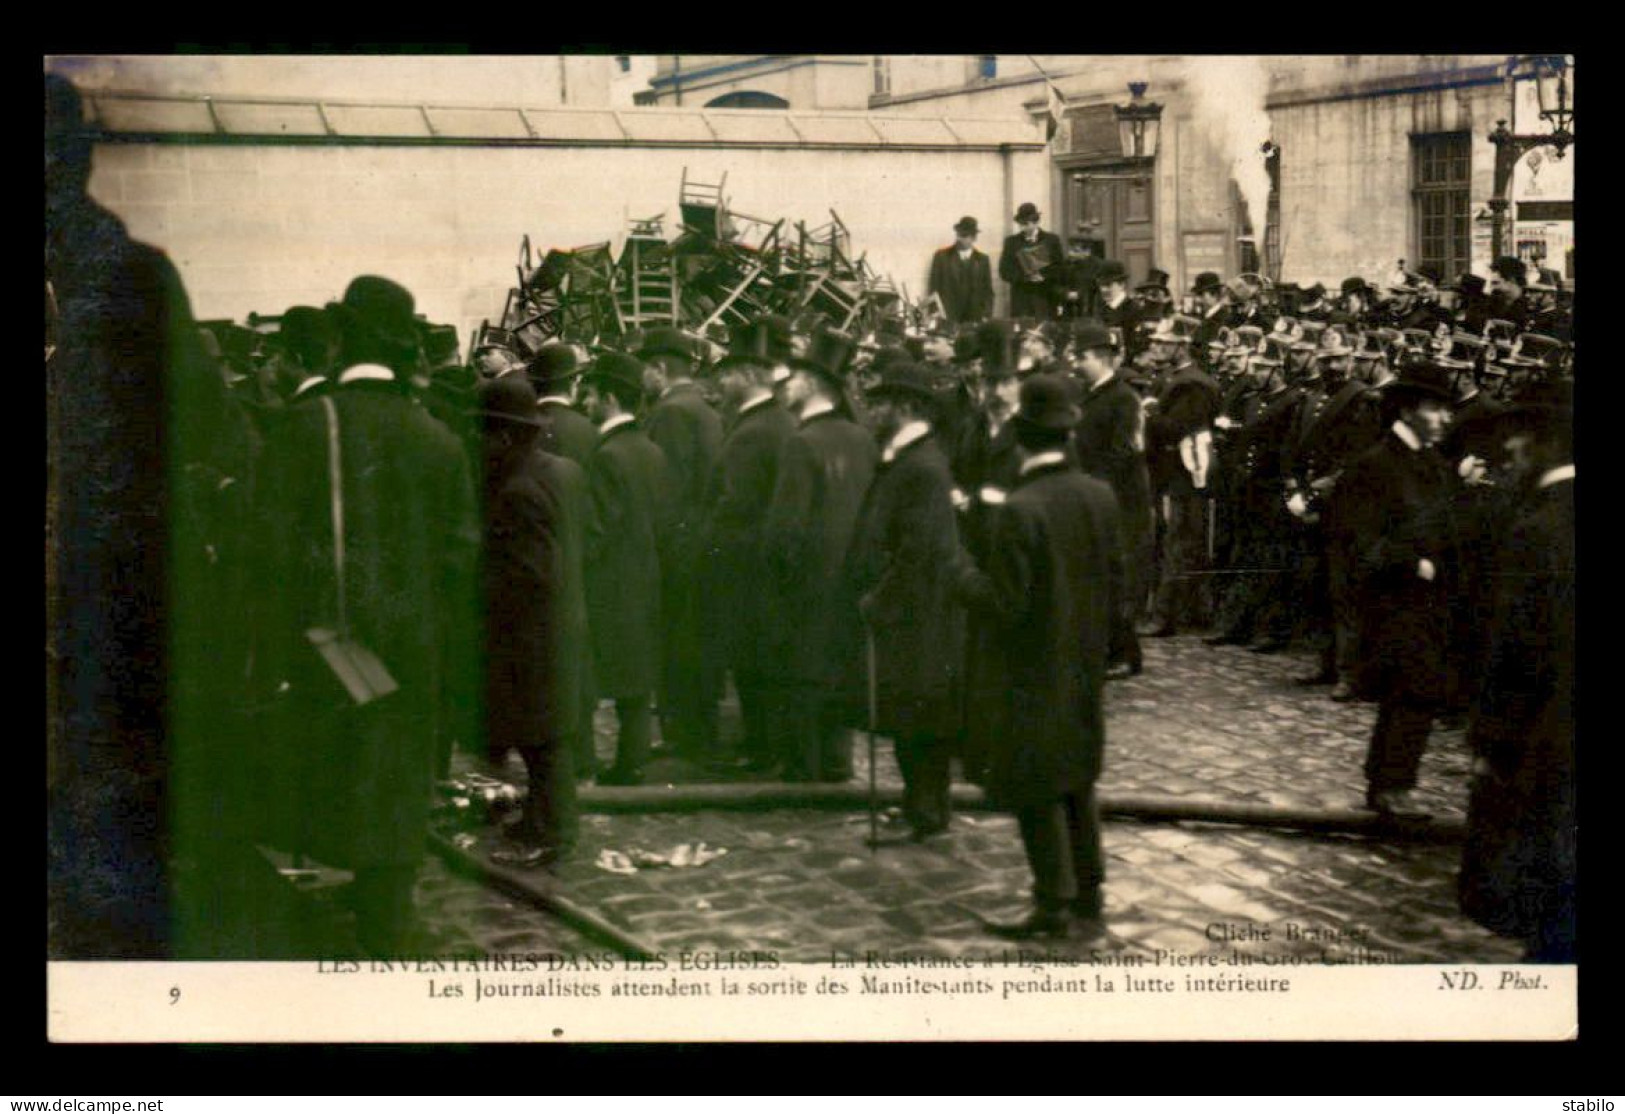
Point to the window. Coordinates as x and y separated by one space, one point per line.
747 98
1441 188
882 69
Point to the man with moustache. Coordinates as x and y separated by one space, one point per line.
905 556
631 508
962 277
823 475
1032 262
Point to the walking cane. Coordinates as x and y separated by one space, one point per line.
874 820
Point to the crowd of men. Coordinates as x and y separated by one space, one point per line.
946 538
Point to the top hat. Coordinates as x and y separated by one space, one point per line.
508 399
1027 211
778 332
1511 268
439 341
904 380
828 353
1111 271
622 373
966 226
1205 282
1154 280
1047 403
381 307
665 340
995 341
1422 379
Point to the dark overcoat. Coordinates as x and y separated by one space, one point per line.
1187 402
351 785
1049 594
631 505
905 561
824 474
1518 866
743 623
1110 440
966 288
1393 503
566 431
1033 299
689 433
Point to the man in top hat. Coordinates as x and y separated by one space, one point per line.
1153 293
1110 443
1049 593
632 501
1518 872
1178 440
823 475
1117 311
1032 263
744 628
1358 297
1080 280
351 780
1213 311
554 373
986 453
1392 500
962 276
689 433
905 556
532 695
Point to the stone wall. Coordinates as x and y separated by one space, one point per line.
259 227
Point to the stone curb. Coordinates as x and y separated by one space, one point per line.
766 795
544 896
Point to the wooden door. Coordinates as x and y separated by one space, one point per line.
1114 206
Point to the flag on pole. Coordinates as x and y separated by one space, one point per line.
1056 111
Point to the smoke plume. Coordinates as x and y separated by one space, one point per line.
1227 97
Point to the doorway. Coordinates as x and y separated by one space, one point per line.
1112 207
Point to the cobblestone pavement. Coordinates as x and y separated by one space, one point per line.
1205 723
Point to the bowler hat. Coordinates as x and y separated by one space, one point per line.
1313 294
966 226
1027 211
1205 282
905 380
1355 285
1111 271
381 307
622 374
665 340
1092 334
1046 402
554 364
508 399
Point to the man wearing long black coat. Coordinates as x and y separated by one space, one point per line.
1394 501
1178 439
631 505
1051 587
1033 262
905 558
824 474
743 624
1110 440
531 695
685 428
351 784
1518 873
962 277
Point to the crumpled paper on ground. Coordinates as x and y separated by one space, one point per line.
634 859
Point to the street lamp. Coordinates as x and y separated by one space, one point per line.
1553 77
1138 123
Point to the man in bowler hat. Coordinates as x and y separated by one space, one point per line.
962 276
631 508
905 557
1393 502
1050 588
1032 262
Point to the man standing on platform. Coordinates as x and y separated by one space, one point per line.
962 277
1032 263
